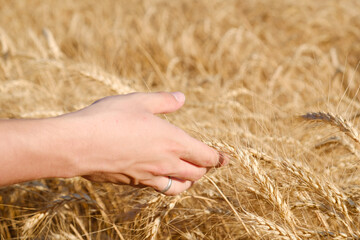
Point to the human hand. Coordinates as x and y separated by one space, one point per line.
118 139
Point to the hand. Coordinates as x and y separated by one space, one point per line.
120 140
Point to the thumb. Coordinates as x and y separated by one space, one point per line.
164 102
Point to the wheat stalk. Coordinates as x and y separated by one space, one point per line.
243 87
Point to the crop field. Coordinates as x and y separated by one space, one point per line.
274 84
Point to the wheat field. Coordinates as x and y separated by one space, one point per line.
274 84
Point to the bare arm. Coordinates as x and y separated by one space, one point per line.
34 149
118 139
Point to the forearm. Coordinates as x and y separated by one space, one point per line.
118 139
33 149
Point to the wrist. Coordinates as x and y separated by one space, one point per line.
34 149
44 146
61 140
74 146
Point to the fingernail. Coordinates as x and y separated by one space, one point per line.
223 159
180 97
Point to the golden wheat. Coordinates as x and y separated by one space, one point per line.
248 68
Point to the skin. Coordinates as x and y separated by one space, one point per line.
117 139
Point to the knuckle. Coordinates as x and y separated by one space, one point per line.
184 173
136 97
186 154
174 148
160 170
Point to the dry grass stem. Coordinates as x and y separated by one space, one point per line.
250 71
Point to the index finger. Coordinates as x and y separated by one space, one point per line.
200 154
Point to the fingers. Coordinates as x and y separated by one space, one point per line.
200 154
180 169
223 159
163 102
160 183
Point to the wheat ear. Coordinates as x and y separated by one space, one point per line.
334 120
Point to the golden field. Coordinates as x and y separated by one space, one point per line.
272 83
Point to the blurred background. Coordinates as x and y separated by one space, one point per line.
250 69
